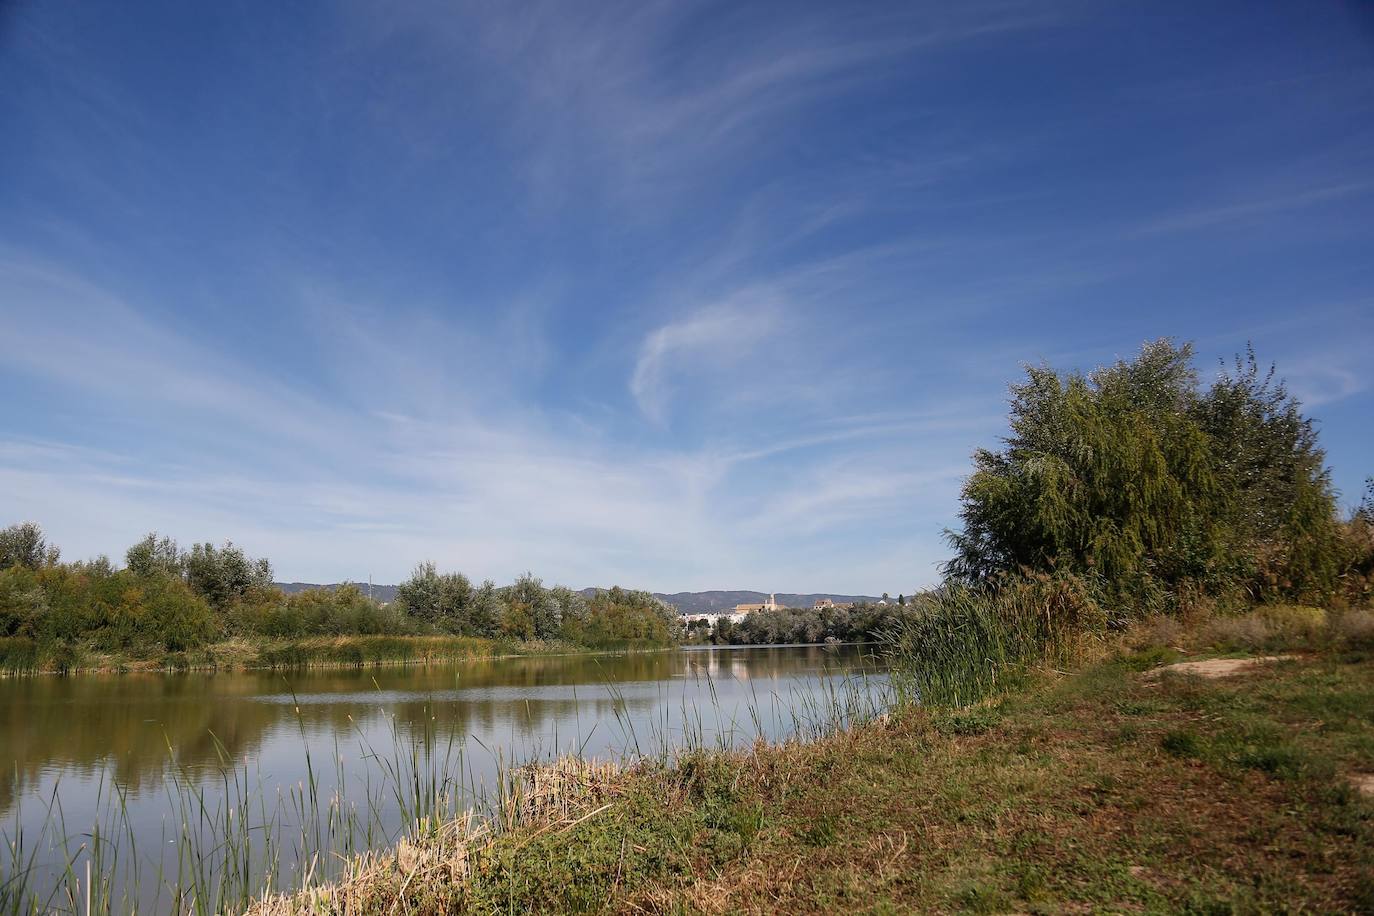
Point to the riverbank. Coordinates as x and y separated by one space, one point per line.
1119 787
19 657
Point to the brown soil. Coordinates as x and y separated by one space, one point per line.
1221 667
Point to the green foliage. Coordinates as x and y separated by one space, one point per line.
223 575
342 611
533 612
618 616
166 603
1278 510
114 610
154 555
859 623
964 643
24 545
1149 488
23 603
443 601
1357 577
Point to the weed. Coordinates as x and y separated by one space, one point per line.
1180 743
822 831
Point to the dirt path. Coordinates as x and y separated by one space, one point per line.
1220 667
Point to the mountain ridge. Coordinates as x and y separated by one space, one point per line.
686 602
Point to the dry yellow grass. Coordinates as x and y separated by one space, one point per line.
541 799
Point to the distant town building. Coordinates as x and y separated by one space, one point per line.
740 612
822 604
770 605
713 617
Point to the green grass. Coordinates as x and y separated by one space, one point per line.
1103 791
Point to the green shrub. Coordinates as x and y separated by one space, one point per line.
1294 621
1355 628
620 617
1179 743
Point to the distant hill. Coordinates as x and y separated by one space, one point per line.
686 602
701 602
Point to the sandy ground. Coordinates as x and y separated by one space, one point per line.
1220 667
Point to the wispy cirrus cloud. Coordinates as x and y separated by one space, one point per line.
630 92
704 342
1256 208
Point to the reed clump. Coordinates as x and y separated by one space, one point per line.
439 857
960 644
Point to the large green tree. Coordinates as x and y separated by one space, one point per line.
1134 478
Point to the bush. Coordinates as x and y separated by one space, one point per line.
1155 631
168 602
618 617
222 575
156 612
1297 622
1249 632
1153 490
1272 627
342 611
24 545
1355 628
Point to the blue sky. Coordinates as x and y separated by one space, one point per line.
676 295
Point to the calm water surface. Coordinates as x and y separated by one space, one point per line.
127 751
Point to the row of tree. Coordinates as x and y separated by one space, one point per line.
168 599
859 623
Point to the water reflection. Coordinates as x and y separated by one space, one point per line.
63 737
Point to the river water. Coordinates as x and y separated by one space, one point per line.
199 784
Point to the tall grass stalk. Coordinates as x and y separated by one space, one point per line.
961 645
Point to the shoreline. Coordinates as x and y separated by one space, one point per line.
241 655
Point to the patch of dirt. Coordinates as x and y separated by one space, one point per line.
1220 667
1364 782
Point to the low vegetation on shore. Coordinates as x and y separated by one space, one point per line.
215 607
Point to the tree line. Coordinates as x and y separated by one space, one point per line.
862 622
166 599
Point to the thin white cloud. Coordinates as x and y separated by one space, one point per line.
633 92
1250 209
1319 382
699 344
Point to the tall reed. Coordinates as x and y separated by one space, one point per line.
962 644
